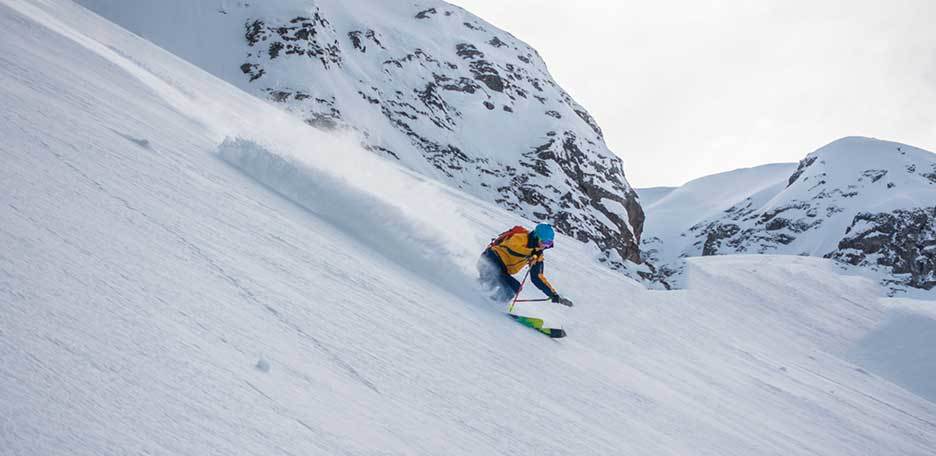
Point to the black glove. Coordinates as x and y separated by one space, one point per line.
560 300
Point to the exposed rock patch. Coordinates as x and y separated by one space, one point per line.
902 242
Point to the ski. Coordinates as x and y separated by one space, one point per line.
537 324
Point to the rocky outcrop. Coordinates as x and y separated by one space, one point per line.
714 235
746 229
902 242
439 107
311 37
803 164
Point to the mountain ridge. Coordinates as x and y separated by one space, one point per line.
429 85
815 208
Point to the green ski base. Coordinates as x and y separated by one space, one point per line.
537 324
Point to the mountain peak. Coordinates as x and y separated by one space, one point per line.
428 85
830 205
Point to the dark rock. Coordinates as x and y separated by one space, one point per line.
393 62
769 215
874 174
426 14
776 224
903 241
279 96
254 32
381 149
468 51
803 164
784 238
931 176
253 70
317 112
372 36
275 48
715 234
300 37
584 115
355 37
322 122
460 85
485 72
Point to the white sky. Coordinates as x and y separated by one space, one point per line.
689 88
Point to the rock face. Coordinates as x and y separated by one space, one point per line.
864 202
902 242
437 89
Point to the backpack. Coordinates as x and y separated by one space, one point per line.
506 234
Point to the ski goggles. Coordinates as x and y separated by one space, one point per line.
546 244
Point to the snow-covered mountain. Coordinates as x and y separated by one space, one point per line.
425 83
186 270
862 201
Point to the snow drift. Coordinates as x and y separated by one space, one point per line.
389 215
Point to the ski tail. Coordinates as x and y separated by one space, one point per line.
538 324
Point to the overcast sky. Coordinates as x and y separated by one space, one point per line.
684 89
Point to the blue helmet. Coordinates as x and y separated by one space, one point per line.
544 232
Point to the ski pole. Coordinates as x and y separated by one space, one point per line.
511 308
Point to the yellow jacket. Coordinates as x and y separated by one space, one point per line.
515 252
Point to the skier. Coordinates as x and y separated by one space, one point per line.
508 253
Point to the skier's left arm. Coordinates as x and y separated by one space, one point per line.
536 273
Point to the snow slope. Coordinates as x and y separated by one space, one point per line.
166 290
425 83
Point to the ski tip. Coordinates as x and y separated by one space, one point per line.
556 333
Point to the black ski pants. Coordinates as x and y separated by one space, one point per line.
494 277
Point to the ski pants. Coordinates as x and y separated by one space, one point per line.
494 277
